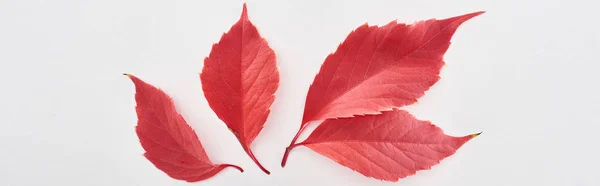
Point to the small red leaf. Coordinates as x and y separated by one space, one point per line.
388 146
170 143
379 68
239 79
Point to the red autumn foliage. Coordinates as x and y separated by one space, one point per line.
379 68
388 146
170 143
356 94
239 80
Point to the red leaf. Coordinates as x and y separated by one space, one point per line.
239 79
170 144
388 146
379 68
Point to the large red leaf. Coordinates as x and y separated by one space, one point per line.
379 68
388 146
170 144
239 79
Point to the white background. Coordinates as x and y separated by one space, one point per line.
525 73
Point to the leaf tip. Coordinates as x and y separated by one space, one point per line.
472 15
475 135
244 15
478 13
458 20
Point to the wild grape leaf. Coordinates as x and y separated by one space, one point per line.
170 143
388 146
379 68
239 80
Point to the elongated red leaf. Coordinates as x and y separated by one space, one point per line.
379 68
389 146
239 79
170 144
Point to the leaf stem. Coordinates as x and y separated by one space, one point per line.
291 146
233 166
249 152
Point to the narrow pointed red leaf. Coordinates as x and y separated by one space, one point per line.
170 143
239 80
379 68
388 146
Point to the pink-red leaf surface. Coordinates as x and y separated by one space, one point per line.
388 146
170 143
379 68
239 80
